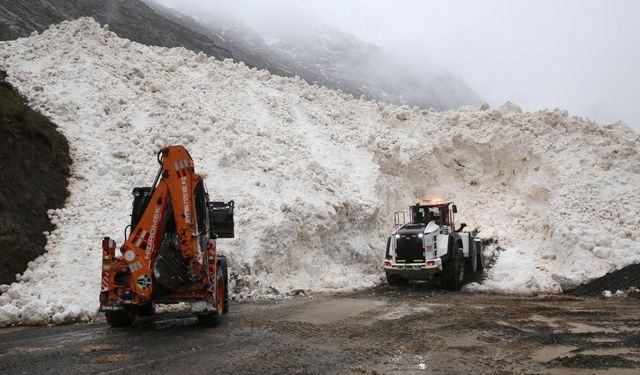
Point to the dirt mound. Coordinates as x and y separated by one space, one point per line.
619 280
34 160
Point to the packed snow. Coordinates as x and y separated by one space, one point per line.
316 174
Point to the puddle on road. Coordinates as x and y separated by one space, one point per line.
464 343
33 349
333 310
113 358
397 312
603 340
13 329
576 327
549 353
96 348
551 322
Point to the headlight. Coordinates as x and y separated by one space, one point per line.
420 235
397 236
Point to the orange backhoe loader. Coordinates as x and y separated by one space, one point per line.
170 253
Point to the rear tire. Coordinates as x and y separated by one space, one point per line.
471 262
119 318
145 310
453 271
214 318
222 262
480 254
395 280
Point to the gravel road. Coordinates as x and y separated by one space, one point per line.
416 329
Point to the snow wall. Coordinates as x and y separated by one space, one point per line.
316 174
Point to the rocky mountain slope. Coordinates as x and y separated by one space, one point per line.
130 18
34 160
246 46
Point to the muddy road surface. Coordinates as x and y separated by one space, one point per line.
415 329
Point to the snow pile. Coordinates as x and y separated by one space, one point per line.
315 173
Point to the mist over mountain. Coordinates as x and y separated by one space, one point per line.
319 53
325 55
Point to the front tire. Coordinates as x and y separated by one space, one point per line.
145 310
119 318
395 280
453 271
222 263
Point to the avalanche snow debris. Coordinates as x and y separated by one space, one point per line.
315 173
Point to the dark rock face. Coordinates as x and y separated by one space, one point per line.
34 160
247 46
130 19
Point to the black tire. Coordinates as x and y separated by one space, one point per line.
480 254
145 310
395 280
119 318
453 271
222 263
471 262
214 318
209 319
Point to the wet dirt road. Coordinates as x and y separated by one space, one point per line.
417 329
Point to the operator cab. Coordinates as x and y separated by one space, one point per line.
414 242
436 211
425 214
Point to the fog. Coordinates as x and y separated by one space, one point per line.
579 55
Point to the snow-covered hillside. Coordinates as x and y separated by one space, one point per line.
316 174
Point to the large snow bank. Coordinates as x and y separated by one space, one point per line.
315 173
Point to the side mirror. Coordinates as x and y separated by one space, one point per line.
454 208
462 226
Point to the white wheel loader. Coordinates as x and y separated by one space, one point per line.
429 247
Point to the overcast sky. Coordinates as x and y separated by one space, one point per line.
580 55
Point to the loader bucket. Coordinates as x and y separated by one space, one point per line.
221 219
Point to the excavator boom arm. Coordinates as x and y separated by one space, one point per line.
175 190
170 255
